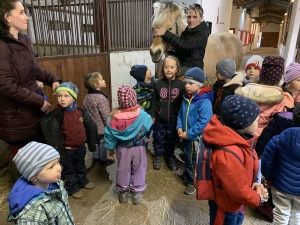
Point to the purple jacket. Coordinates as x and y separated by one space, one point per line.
20 97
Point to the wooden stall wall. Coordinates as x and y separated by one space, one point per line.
73 68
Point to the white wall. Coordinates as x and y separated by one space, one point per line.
120 66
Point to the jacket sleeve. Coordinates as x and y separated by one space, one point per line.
268 159
154 102
199 40
234 180
104 109
91 131
266 135
204 115
110 141
179 117
9 86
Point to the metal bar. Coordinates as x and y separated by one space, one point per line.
61 28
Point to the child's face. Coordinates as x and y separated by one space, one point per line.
101 83
65 99
252 128
148 74
294 86
51 173
192 88
220 77
170 69
252 72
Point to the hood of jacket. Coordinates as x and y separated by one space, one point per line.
219 135
261 94
198 98
22 193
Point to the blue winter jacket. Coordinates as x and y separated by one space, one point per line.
280 161
195 113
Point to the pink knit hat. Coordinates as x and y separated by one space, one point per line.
126 97
292 72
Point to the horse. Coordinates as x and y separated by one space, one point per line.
172 17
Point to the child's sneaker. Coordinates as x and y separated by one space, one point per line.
123 197
136 198
89 186
157 161
189 190
77 195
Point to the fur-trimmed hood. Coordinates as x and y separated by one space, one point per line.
261 94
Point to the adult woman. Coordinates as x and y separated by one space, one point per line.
190 47
22 102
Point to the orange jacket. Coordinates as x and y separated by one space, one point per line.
232 180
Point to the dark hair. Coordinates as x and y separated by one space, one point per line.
197 8
5 7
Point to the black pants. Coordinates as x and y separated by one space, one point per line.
74 170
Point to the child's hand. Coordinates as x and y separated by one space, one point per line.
255 185
179 130
183 135
153 120
263 192
110 155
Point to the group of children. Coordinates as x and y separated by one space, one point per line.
231 114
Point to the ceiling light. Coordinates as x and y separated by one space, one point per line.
285 14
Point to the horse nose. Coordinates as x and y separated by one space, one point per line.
155 55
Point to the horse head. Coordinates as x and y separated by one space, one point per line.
170 16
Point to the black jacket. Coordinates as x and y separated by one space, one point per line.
281 122
190 47
167 99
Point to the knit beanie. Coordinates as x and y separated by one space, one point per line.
70 87
139 72
255 61
272 70
194 75
126 97
226 67
31 159
239 112
292 72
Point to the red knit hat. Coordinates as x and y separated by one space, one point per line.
126 97
272 70
255 61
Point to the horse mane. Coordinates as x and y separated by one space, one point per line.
168 11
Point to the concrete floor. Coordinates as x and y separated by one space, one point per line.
163 202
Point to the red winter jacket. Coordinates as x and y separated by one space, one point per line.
232 180
20 97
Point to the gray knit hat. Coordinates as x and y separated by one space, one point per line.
32 158
226 67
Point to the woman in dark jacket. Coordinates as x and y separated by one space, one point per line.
22 101
190 47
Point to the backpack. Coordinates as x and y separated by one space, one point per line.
203 182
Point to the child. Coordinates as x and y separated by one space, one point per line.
252 69
194 114
166 104
97 106
39 196
281 165
127 132
292 80
70 127
232 176
227 81
145 86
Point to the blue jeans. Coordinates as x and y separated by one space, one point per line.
228 219
101 151
190 158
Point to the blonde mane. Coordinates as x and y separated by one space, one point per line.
169 15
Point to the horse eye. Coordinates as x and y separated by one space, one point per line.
170 28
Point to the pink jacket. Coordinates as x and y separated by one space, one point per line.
270 99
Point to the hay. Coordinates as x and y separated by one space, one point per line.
5 187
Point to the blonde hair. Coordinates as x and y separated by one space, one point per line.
91 79
177 64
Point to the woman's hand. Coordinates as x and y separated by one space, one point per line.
55 85
110 155
45 107
160 31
